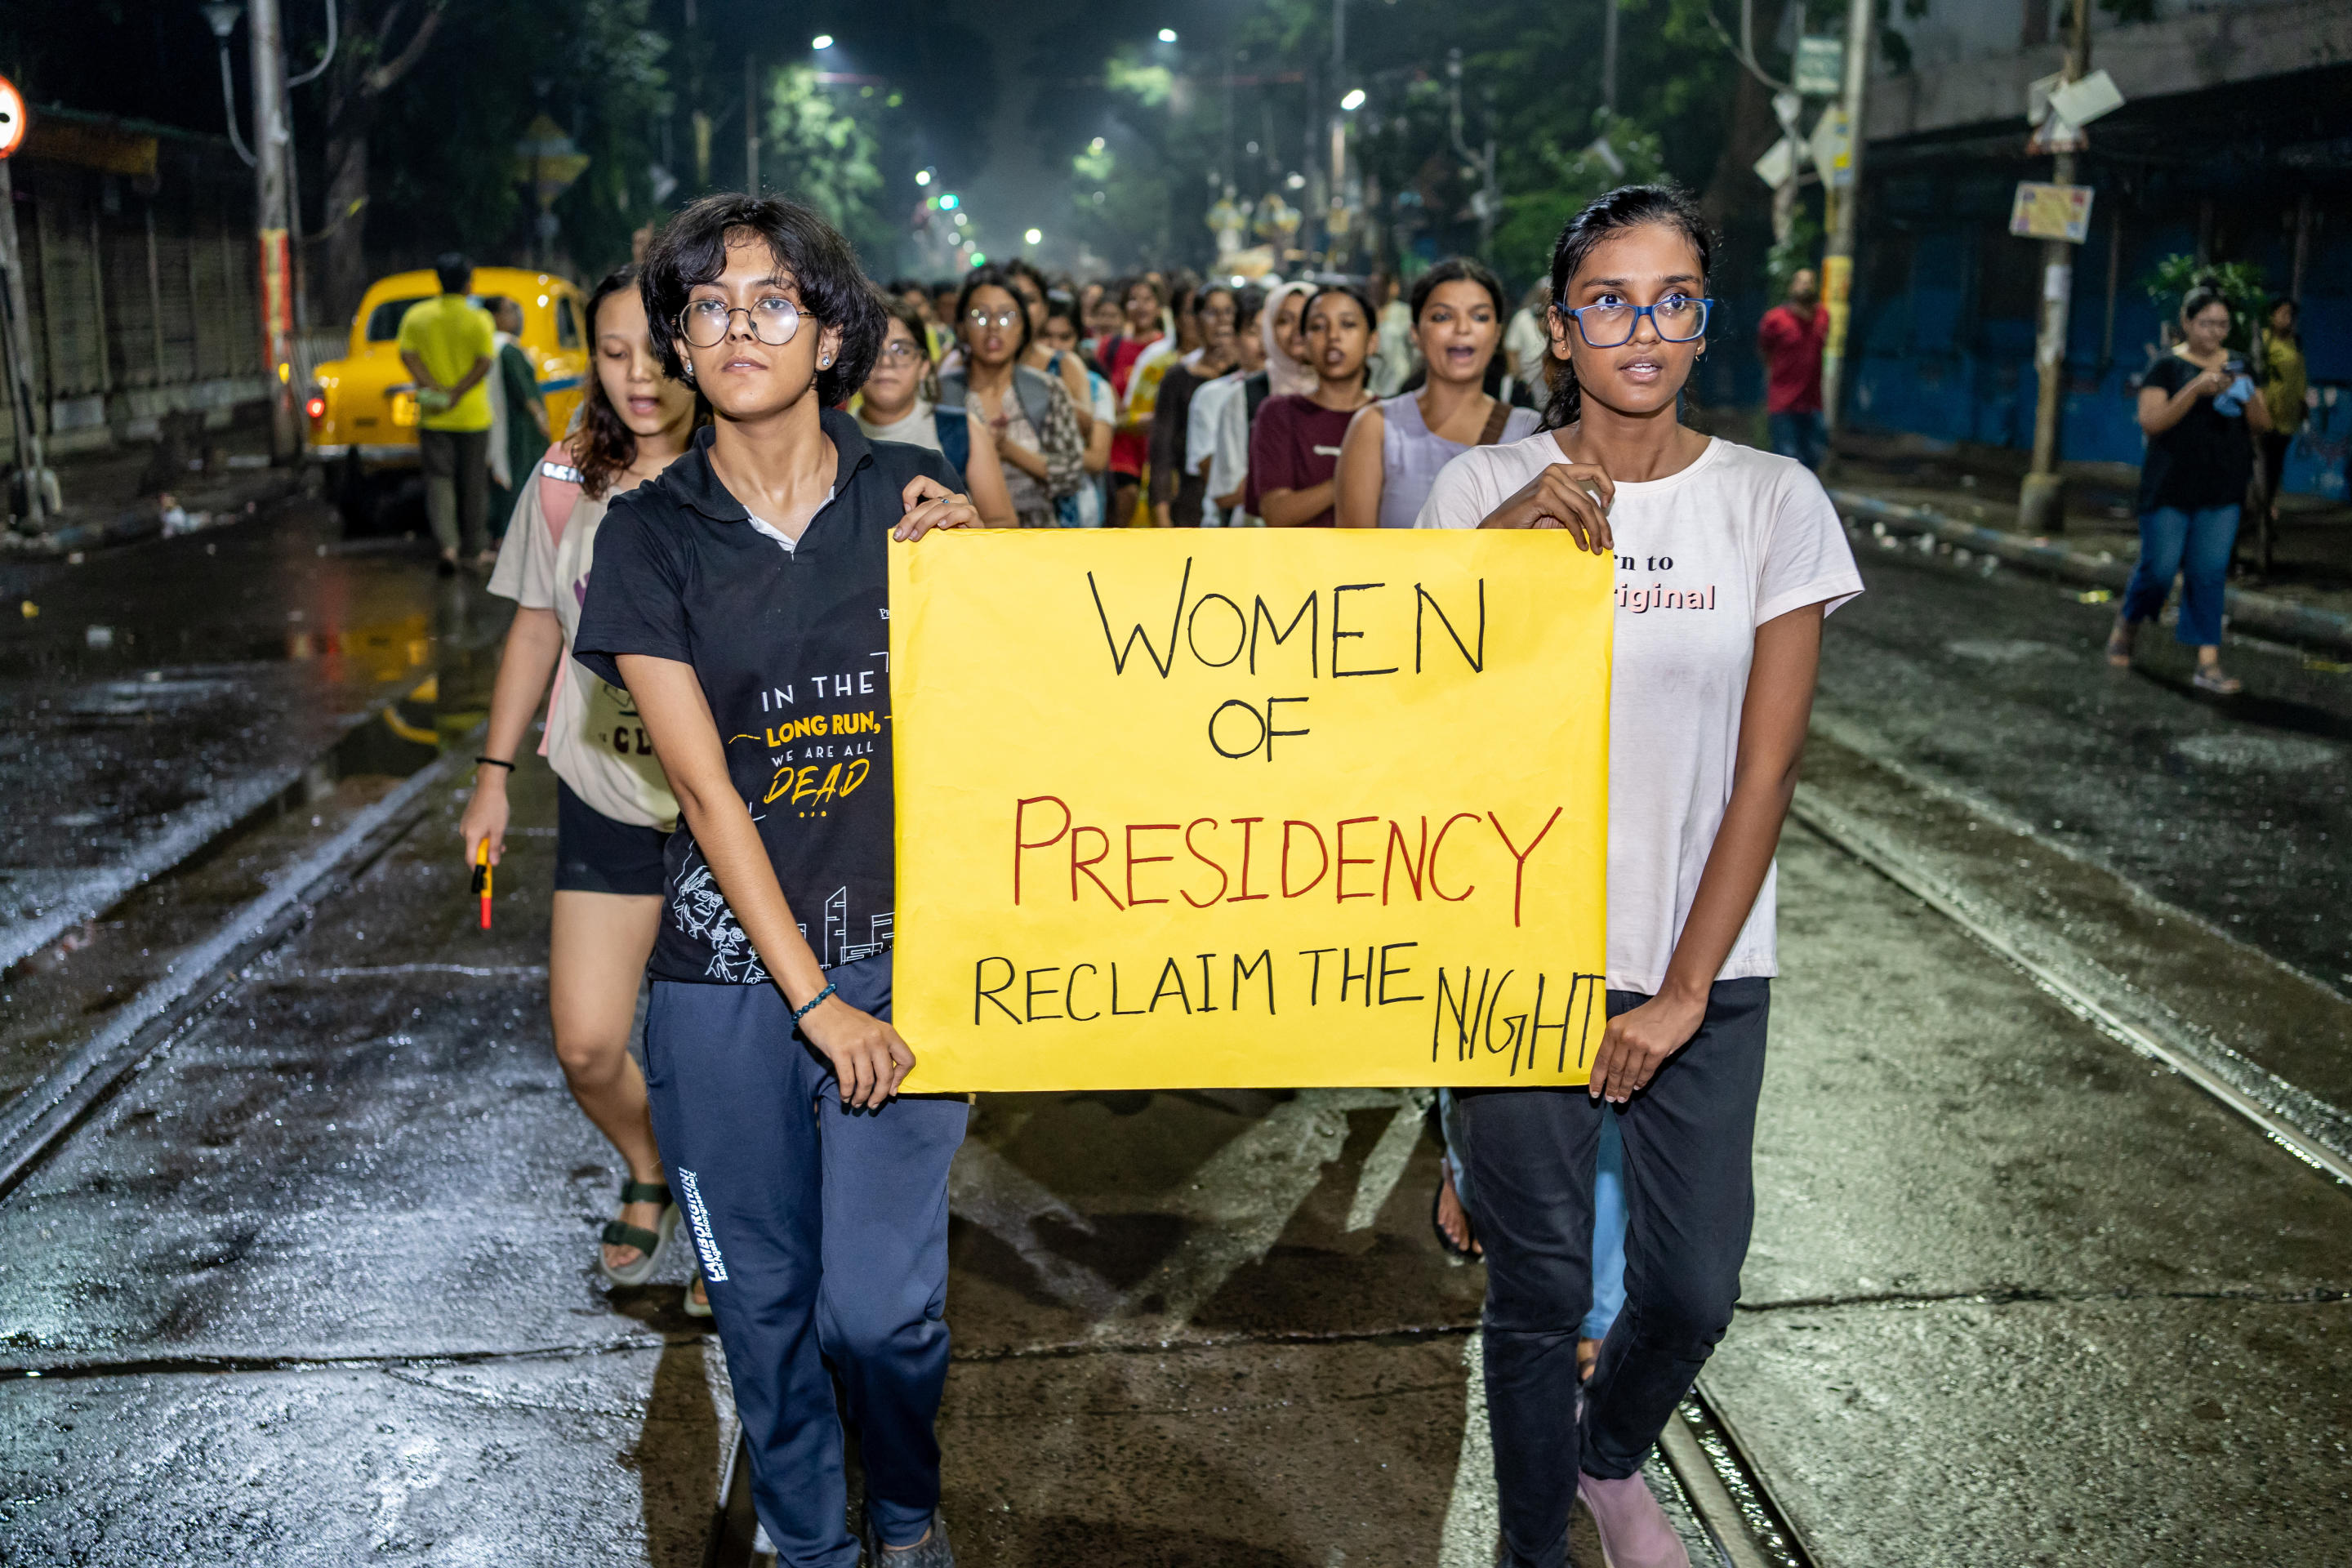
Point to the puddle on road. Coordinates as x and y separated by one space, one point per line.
2258 752
2005 650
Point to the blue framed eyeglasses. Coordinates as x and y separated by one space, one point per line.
1678 318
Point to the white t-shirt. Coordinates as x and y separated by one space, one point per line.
1229 461
595 741
1704 558
918 426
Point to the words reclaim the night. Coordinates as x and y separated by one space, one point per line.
1312 807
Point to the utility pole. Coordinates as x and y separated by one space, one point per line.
750 127
2041 502
1333 90
270 139
1837 265
15 321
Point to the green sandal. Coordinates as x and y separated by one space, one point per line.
649 1242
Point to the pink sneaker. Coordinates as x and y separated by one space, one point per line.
1633 1527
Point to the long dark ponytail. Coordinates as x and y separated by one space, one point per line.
1627 206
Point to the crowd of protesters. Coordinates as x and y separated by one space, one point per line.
763 421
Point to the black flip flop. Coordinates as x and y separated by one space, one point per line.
1436 1200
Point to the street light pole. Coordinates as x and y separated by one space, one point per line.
270 139
1837 265
16 351
2042 500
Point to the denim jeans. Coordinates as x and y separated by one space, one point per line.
1801 435
1690 1199
2194 545
1608 1212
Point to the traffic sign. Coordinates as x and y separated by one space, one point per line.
13 117
1819 68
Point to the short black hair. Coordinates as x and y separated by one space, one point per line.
692 250
981 277
1249 300
456 270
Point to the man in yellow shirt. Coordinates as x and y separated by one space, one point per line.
449 345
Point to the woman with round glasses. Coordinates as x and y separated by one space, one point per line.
743 600
1727 559
1033 424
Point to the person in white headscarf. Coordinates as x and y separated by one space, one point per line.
1286 373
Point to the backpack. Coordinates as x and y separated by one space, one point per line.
955 431
1035 392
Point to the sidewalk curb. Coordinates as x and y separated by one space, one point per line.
2260 612
145 521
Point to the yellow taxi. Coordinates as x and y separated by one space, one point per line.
362 408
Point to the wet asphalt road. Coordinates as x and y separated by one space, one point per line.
318 1285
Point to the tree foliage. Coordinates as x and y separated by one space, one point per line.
826 157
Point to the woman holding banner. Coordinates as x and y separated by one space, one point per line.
815 1194
1708 709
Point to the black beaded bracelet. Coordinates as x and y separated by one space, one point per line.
495 761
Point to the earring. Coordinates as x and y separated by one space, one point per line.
824 364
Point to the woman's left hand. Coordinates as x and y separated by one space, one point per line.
931 504
1636 1042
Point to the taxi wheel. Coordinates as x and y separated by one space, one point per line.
357 496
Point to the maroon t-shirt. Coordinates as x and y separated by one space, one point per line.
1294 446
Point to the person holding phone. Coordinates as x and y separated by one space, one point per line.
2196 405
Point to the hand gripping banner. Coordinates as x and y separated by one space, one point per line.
1249 808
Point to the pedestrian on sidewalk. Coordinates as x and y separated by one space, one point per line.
2285 384
742 594
1710 689
518 419
1790 338
449 345
2196 405
613 810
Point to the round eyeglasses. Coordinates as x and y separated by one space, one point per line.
707 322
1677 318
979 318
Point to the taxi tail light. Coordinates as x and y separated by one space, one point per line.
316 407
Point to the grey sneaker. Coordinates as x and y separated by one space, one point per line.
934 1552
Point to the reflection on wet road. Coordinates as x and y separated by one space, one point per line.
317 1284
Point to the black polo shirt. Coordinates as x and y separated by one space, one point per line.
793 648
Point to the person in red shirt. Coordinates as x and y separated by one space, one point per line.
1125 362
1791 339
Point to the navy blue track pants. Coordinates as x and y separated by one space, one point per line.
823 1238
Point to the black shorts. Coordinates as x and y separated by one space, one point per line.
594 853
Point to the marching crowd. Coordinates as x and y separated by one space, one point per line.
764 424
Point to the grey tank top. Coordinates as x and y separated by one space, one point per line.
1411 455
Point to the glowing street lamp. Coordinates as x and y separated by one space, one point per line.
1167 35
1033 237
922 176
1354 100
822 41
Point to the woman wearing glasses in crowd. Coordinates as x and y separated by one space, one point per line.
1034 290
614 809
1033 423
1295 440
891 406
815 1194
1727 559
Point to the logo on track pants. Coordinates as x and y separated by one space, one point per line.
714 1266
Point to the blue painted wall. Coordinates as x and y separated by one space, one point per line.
1945 302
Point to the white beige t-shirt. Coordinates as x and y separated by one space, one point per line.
1704 558
595 741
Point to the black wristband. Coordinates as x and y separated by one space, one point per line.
494 762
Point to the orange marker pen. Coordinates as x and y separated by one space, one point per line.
482 879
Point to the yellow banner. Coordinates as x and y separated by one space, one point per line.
1224 809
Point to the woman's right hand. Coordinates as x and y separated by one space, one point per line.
2211 383
869 1058
1558 498
486 818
